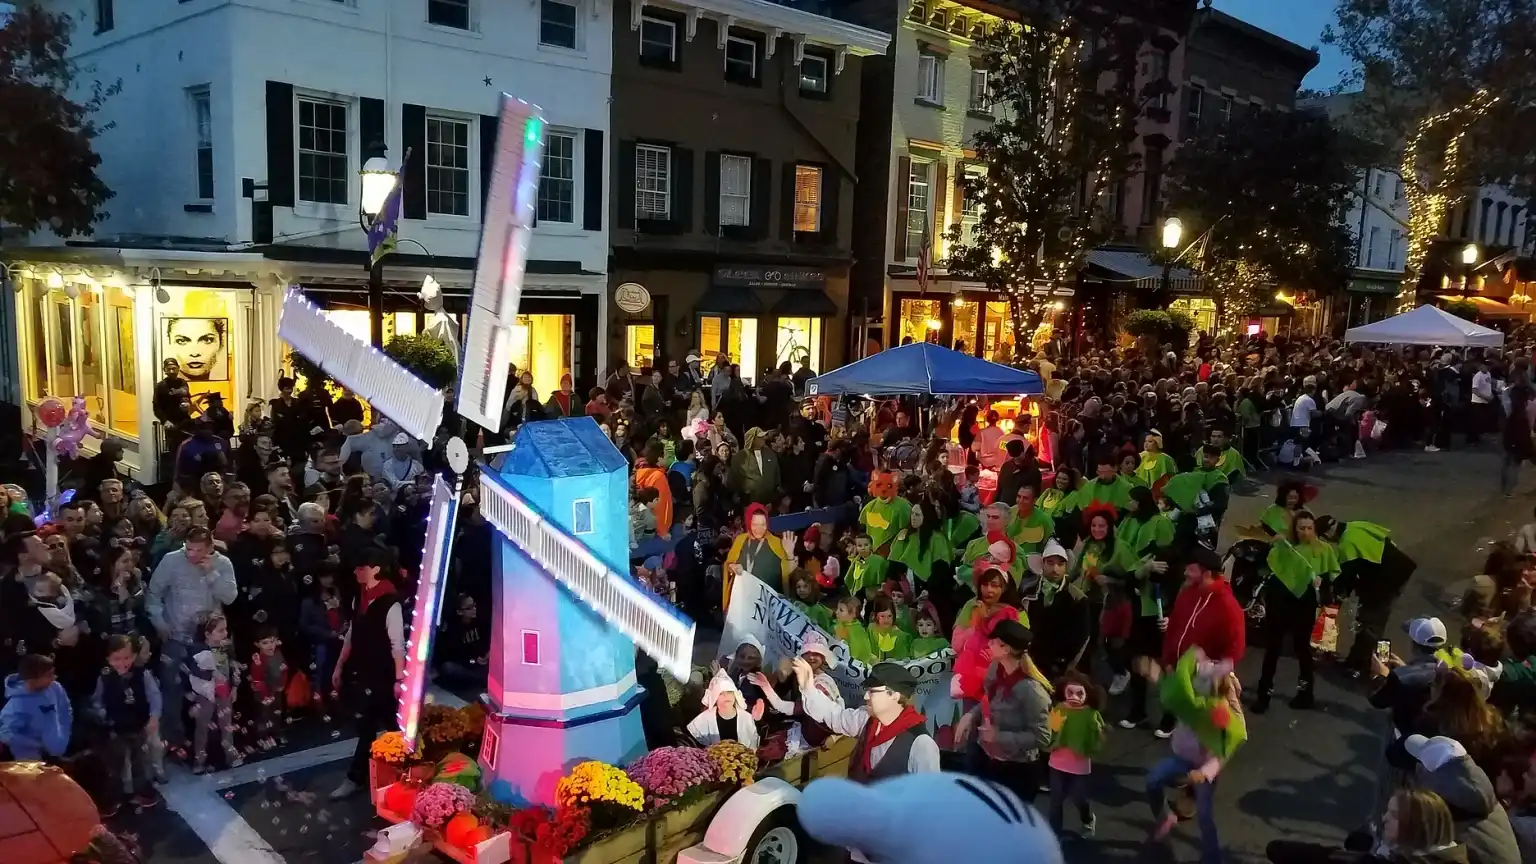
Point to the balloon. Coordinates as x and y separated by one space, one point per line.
50 412
77 427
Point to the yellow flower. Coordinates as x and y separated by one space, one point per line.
390 748
591 782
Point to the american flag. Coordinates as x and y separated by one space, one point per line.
924 261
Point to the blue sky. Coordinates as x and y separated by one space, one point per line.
1302 22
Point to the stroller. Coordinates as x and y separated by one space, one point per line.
1247 571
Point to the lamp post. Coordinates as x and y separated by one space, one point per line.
1173 235
377 182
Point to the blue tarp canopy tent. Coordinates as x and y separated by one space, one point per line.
923 367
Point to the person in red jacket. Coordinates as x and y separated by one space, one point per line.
1205 614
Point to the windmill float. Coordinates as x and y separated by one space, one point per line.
566 616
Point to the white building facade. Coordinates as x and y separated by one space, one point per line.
234 148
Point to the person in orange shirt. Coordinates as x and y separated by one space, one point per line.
649 474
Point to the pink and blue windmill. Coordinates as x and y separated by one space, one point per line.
567 615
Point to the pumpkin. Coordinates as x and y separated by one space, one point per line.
458 829
475 836
400 798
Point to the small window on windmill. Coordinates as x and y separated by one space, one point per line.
581 516
489 745
530 647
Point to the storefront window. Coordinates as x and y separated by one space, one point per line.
799 341
964 315
1201 309
639 346
93 383
401 324
997 333
541 344
919 322
61 347
122 364
35 344
735 337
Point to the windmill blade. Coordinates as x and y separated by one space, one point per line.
501 262
658 629
441 516
389 387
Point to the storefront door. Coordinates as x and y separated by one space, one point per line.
735 337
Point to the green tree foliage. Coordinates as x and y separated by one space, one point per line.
426 358
1063 91
47 166
1450 85
1270 189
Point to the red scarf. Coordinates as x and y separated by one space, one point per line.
563 399
381 588
883 734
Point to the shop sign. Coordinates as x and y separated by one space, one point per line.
631 297
752 276
1361 285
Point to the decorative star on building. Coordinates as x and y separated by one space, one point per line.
487 80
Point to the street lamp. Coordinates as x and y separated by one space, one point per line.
1469 254
377 182
1173 234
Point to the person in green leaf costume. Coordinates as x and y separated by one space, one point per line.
996 515
1303 566
1230 462
887 641
1153 464
1029 526
929 639
922 545
1148 533
1377 570
866 570
805 595
1059 501
847 628
960 528
1200 498
886 514
1291 496
1130 461
1108 486
1204 697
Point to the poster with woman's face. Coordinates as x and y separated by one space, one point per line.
200 347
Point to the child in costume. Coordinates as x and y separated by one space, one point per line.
1106 562
725 716
888 641
1077 735
1204 696
847 629
806 734
866 570
885 514
928 640
893 821
805 595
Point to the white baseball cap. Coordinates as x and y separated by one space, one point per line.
402 438
1433 753
1426 632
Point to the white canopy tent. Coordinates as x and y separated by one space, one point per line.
1427 325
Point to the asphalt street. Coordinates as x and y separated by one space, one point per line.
1303 775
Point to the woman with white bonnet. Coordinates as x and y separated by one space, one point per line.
725 716
806 734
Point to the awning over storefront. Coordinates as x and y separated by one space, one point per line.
802 303
730 301
1130 265
1487 307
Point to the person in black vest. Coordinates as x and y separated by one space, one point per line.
373 656
127 704
892 737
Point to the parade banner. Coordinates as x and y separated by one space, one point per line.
766 615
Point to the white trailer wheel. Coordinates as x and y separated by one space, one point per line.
776 841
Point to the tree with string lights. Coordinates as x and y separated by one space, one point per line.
48 168
1449 84
1062 88
1272 188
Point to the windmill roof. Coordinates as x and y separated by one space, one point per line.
569 447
